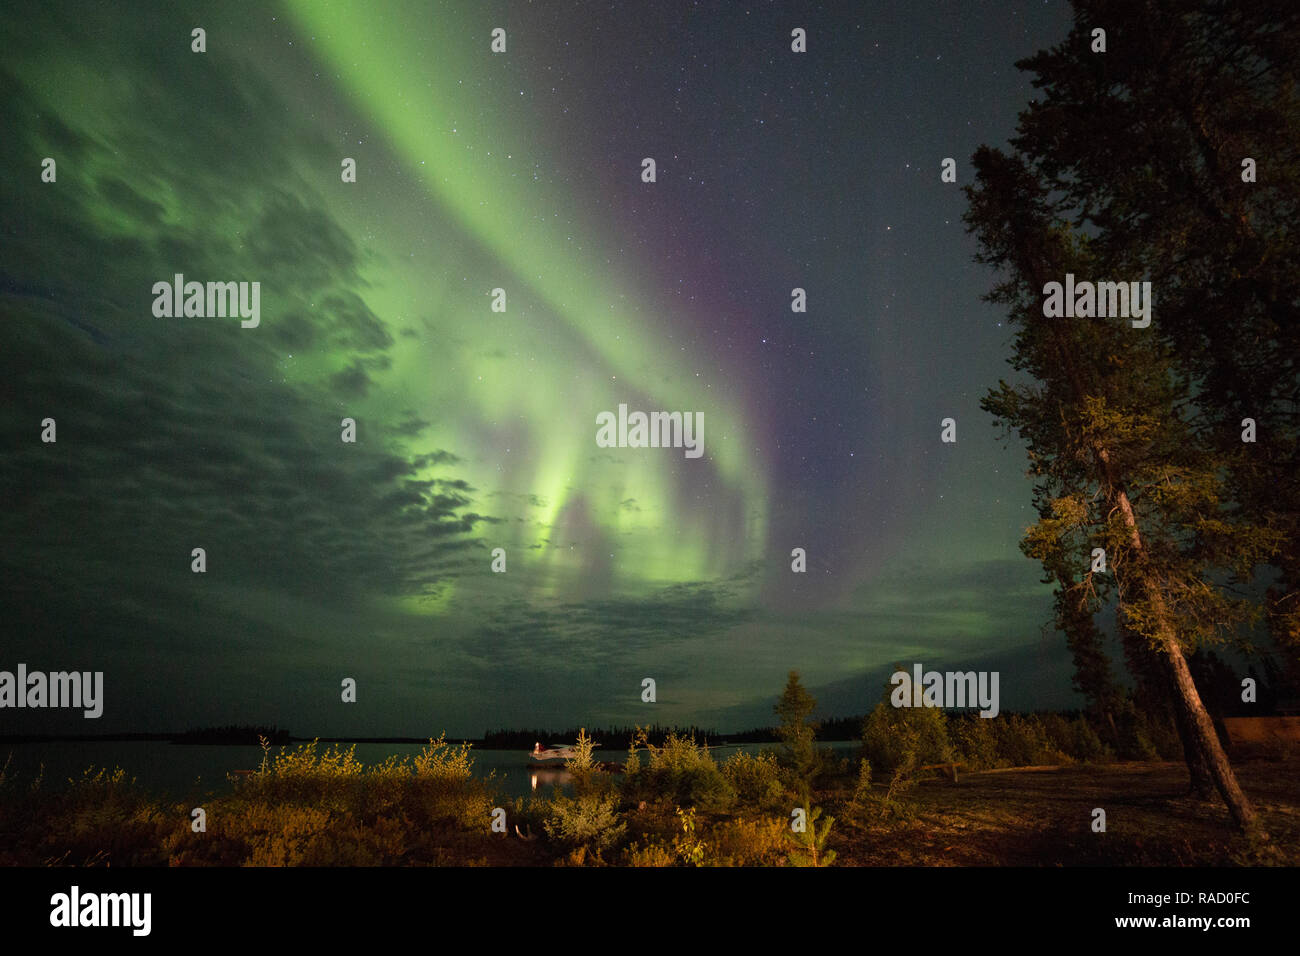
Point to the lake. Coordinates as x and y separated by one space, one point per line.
185 771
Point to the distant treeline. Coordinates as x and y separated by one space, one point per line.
60 738
620 738
1218 683
233 734
609 738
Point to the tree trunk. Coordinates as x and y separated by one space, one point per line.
1187 701
1202 783
1153 677
1207 741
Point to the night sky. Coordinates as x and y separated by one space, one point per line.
476 429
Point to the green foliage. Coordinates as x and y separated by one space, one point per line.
302 775
796 731
682 772
747 842
582 766
1023 742
1170 203
1077 740
441 762
690 849
589 820
976 741
306 808
734 843
892 736
444 789
633 762
756 780
862 788
1120 453
1148 736
900 740
808 848
654 853
865 803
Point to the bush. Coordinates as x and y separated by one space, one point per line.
590 820
1085 744
687 848
303 776
1163 734
756 780
867 803
681 771
755 842
1141 734
892 736
102 819
443 788
1023 742
975 741
651 854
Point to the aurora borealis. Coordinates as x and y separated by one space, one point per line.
476 429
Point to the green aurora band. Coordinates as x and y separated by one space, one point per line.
411 91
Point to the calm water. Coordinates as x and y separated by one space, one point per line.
182 771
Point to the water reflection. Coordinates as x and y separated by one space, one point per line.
549 776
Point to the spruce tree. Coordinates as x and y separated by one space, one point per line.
797 732
1118 463
1178 151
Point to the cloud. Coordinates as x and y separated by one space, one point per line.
183 433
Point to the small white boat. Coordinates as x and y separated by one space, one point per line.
562 752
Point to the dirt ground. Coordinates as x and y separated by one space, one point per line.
1042 816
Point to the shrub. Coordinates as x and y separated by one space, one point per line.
302 775
1084 743
589 820
1163 734
681 771
584 770
102 818
889 733
651 854
975 741
867 803
442 762
685 848
752 842
862 788
1022 741
442 788
756 779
